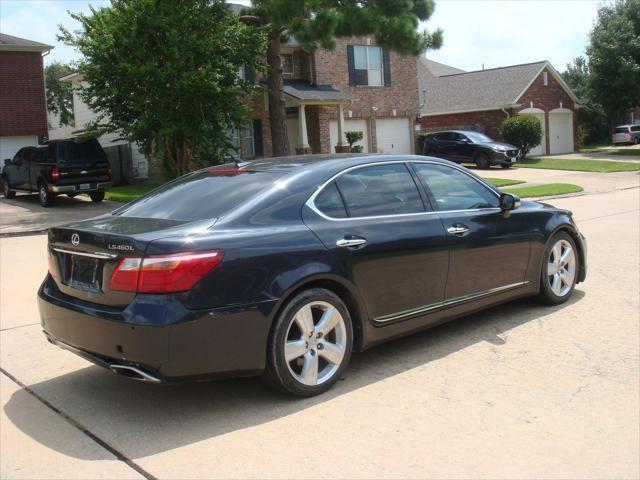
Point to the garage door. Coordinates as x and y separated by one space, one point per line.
10 145
350 124
539 115
560 131
394 135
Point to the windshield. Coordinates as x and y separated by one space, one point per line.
477 137
79 152
201 195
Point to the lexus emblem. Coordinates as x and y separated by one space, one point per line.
75 239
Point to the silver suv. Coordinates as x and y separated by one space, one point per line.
626 134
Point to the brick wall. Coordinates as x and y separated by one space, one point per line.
547 98
486 122
23 108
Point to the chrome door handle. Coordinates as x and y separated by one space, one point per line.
457 230
350 242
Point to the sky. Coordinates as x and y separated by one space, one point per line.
492 33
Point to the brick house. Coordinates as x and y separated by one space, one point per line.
357 86
481 100
23 108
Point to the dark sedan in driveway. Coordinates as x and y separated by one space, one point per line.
285 266
471 147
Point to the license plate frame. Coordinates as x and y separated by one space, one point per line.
84 274
84 186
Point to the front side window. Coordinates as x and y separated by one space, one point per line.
380 190
453 189
287 64
368 65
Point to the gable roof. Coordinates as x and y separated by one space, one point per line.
488 89
439 69
9 43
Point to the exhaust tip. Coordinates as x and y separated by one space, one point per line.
133 373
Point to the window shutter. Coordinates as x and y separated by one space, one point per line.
257 138
350 61
386 68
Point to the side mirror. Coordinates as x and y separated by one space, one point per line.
508 202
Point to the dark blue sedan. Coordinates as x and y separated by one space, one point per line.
283 267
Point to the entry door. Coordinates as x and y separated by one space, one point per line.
382 239
487 251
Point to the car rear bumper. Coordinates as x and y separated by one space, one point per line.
156 339
76 189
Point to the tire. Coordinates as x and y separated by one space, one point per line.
505 165
6 189
47 199
482 161
72 195
97 196
558 287
308 310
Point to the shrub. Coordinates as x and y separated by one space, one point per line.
523 131
353 137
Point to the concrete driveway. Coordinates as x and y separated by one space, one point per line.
518 391
23 214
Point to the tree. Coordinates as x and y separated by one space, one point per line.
165 75
614 58
591 117
354 137
393 23
59 94
523 131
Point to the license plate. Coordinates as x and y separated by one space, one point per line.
84 273
84 186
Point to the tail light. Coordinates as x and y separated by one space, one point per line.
55 174
109 172
164 273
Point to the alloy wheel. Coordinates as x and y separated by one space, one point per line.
316 343
561 268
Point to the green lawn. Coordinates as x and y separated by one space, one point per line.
503 182
579 165
545 190
126 193
595 147
628 151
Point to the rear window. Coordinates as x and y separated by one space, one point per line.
635 128
621 130
80 152
202 195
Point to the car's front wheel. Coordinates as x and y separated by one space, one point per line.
6 188
505 165
310 343
559 270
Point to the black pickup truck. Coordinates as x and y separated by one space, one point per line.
58 167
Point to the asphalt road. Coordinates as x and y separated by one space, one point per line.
518 391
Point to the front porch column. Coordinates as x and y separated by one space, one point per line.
341 147
303 141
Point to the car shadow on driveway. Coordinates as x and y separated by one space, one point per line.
140 419
24 214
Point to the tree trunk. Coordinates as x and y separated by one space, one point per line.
277 116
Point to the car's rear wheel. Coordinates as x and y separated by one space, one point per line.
310 343
6 189
97 196
47 199
482 161
559 270
505 165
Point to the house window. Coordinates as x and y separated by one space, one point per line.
287 64
545 78
247 141
368 65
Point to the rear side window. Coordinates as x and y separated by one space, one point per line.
330 203
621 130
635 128
202 195
380 190
453 189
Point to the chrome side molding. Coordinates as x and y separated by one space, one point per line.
100 255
